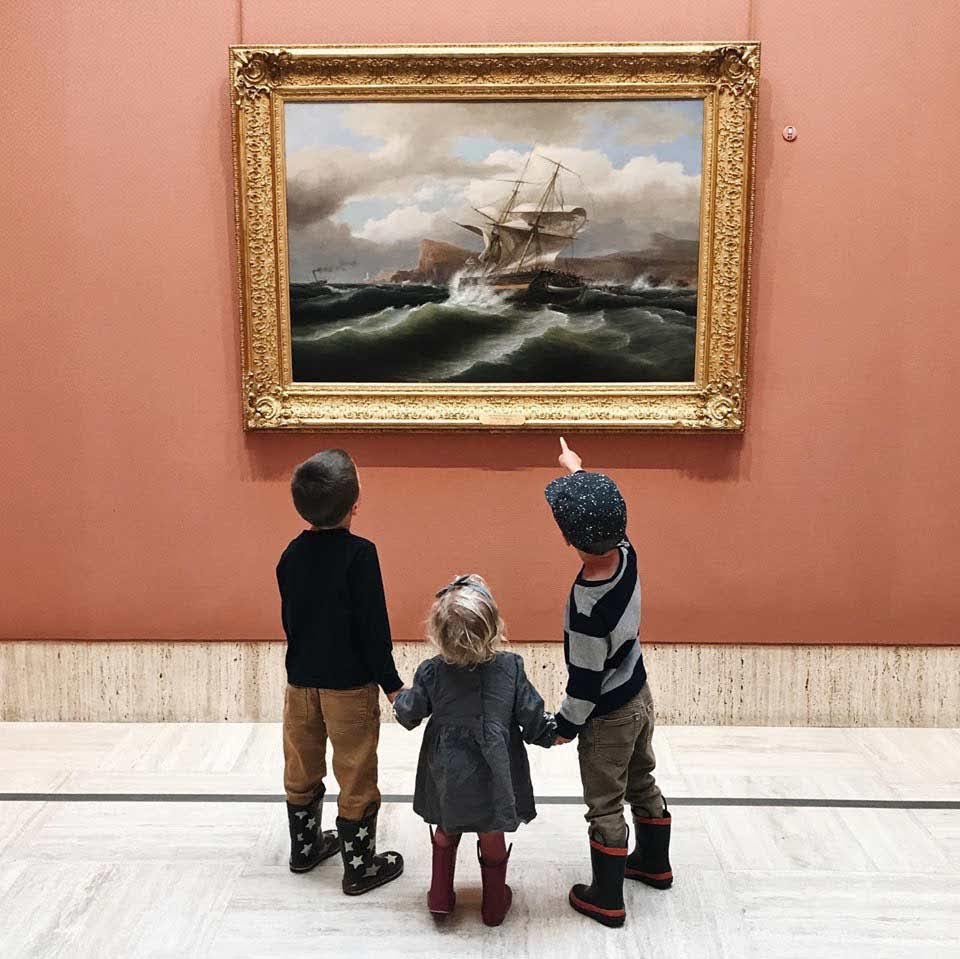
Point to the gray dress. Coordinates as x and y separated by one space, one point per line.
473 774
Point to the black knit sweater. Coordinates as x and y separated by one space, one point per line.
334 612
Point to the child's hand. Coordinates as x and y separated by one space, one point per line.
568 459
392 696
560 741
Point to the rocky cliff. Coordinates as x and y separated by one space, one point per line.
437 264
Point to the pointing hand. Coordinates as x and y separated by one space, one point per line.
568 459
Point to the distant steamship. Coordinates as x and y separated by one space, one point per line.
521 242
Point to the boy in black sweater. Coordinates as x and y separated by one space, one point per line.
338 652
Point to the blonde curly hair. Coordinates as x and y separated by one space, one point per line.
465 624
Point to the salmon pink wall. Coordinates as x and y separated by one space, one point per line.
134 506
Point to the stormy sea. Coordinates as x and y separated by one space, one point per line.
420 333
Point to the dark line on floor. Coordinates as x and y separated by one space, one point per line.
543 800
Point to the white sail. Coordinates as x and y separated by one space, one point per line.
502 245
491 213
564 222
513 248
527 236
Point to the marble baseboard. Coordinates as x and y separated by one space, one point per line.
693 685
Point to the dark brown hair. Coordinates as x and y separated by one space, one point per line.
325 487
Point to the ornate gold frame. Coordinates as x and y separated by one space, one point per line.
725 75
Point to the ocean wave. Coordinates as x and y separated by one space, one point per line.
504 341
639 347
476 296
623 298
430 336
377 322
349 303
603 336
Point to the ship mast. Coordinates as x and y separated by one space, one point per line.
541 206
504 214
508 207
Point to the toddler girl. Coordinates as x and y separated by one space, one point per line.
473 774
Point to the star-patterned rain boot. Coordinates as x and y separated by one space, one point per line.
650 860
363 868
602 900
309 844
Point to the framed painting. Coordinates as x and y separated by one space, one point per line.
517 237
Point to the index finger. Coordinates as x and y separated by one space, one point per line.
563 445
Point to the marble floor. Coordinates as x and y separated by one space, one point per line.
134 840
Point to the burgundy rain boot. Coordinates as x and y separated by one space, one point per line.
497 896
649 862
441 899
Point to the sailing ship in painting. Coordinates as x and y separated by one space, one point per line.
521 243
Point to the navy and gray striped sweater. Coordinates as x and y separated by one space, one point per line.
601 644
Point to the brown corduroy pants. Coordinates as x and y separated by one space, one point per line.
616 766
350 718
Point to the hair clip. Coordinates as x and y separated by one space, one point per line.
459 583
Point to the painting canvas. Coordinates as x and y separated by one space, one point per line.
494 242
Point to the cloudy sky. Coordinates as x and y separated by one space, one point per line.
366 182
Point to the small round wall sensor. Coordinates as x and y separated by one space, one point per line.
789 134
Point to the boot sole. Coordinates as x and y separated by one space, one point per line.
613 922
373 885
327 855
443 912
648 881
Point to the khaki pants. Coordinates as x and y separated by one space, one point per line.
351 719
616 764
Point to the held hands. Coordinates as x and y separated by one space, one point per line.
568 459
560 741
392 696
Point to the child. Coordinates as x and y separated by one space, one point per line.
338 651
473 774
608 702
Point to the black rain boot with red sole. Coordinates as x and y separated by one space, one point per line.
602 900
649 862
